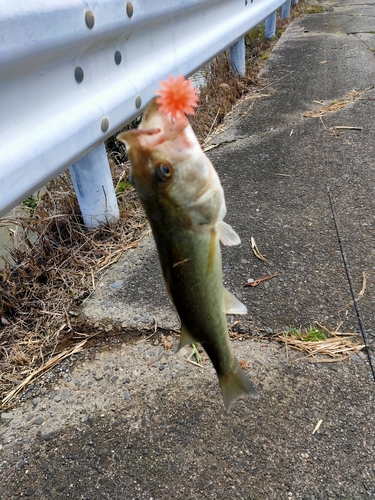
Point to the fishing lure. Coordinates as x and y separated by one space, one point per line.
177 97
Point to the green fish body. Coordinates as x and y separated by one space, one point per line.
184 203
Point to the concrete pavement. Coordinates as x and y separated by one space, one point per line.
134 422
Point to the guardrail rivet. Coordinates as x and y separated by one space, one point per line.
129 9
78 74
105 124
138 101
90 19
118 57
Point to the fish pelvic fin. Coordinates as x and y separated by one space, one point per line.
232 305
235 384
185 338
227 234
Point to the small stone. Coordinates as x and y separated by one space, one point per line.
151 360
38 420
6 415
109 328
29 493
57 399
305 455
127 396
116 284
98 376
36 401
161 367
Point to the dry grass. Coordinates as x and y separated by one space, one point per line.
56 264
350 97
336 346
53 267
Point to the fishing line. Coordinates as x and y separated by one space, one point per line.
356 307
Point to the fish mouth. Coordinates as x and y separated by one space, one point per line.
158 138
155 128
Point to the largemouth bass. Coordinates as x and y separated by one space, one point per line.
184 202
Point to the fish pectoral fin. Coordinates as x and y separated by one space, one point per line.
227 234
185 338
235 384
232 305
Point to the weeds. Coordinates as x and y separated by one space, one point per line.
312 334
319 341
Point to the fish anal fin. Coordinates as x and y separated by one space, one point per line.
232 305
235 384
185 338
227 234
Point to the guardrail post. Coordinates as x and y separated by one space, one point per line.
93 185
285 9
270 26
237 57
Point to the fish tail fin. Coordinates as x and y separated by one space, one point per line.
235 384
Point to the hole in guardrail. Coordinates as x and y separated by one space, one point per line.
138 101
90 19
129 9
104 125
118 57
79 74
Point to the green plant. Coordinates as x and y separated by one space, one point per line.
314 9
122 186
293 331
255 35
313 334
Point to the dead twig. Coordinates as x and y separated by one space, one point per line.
259 280
256 251
43 369
346 127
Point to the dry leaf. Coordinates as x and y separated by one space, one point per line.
244 364
256 251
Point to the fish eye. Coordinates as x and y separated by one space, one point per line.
162 171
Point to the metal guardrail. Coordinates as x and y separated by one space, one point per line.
73 75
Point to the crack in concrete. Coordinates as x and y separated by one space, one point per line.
371 49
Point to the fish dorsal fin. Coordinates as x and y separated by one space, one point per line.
232 305
185 338
227 234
